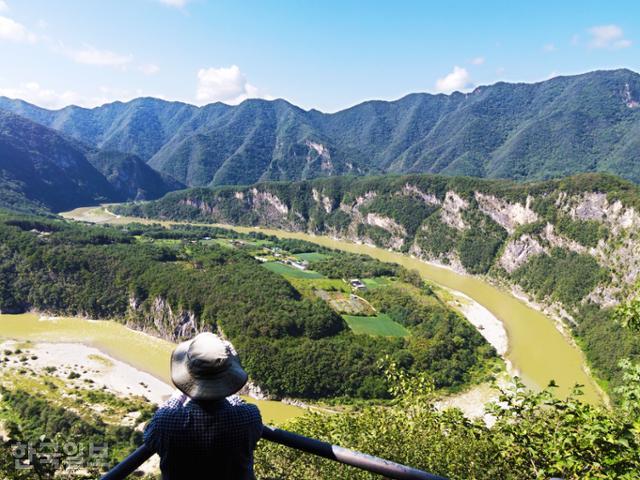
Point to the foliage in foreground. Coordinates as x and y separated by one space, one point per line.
535 435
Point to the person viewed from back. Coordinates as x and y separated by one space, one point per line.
204 431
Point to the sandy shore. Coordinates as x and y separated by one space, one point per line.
473 401
90 363
487 324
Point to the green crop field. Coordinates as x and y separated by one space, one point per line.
288 271
311 256
380 325
376 282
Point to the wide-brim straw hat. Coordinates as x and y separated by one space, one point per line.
205 368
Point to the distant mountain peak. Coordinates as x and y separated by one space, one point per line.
564 125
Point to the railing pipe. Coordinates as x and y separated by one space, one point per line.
344 455
129 465
353 458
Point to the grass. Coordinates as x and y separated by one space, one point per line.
100 359
308 286
311 256
376 282
217 241
288 271
380 325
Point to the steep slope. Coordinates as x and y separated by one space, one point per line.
39 168
257 140
562 126
572 245
131 178
46 168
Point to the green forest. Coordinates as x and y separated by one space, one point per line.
562 273
120 272
533 436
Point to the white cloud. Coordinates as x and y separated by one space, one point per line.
477 61
175 3
458 79
15 32
549 47
608 36
33 92
3 6
149 68
224 84
90 55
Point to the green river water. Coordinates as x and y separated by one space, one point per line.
537 349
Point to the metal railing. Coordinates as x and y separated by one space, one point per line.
309 445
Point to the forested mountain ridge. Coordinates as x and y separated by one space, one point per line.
41 169
558 127
571 244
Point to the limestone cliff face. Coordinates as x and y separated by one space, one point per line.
159 318
353 216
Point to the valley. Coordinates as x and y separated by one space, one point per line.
570 247
537 351
289 240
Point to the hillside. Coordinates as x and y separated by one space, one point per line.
572 245
175 283
558 127
40 169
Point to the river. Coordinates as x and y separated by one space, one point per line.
538 351
137 349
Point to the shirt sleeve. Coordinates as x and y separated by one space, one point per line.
151 434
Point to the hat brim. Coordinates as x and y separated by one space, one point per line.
215 387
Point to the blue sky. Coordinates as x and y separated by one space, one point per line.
320 54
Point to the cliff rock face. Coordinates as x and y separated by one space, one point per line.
508 215
469 225
451 212
518 251
160 319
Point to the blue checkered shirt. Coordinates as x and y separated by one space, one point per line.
213 441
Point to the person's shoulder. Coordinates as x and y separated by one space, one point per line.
168 413
243 408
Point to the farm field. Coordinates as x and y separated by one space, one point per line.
380 325
289 271
376 282
311 256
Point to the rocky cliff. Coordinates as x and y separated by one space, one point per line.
159 318
494 228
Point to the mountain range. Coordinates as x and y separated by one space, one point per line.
558 127
41 169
